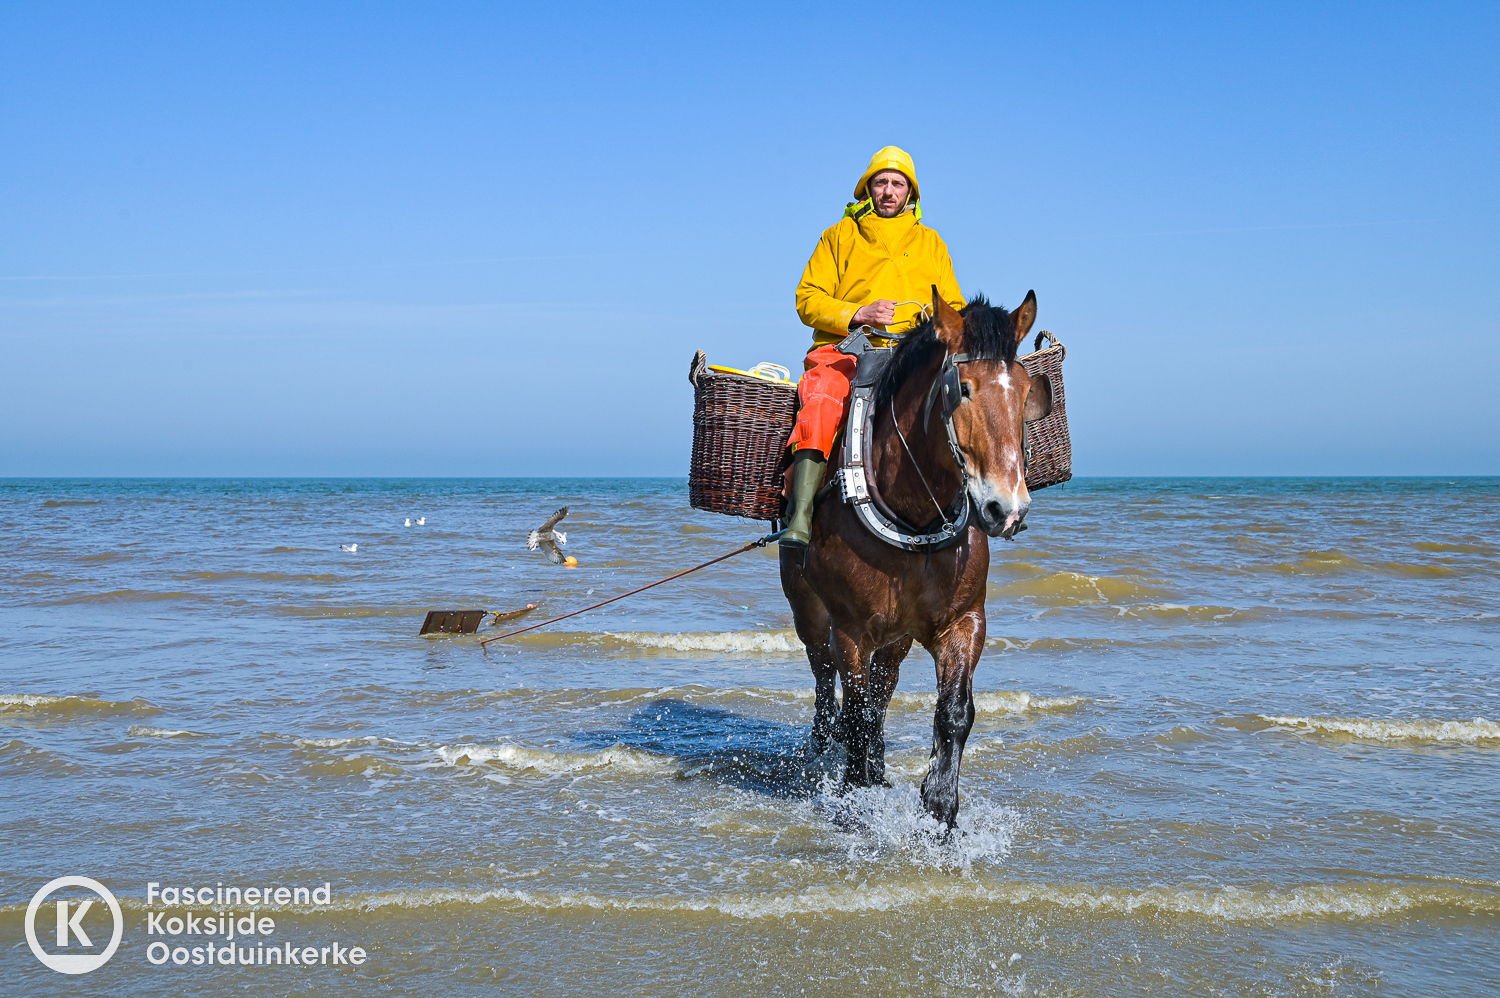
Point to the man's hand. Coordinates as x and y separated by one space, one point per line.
877 313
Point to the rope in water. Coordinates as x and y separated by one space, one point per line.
758 543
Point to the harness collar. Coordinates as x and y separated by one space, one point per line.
856 476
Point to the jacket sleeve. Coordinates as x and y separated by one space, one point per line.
816 305
947 284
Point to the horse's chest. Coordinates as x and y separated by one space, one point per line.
914 599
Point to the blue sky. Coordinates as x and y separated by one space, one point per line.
459 239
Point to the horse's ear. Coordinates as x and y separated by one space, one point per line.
1025 316
947 323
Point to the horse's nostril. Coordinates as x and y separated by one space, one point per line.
993 512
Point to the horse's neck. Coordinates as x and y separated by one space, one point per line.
896 472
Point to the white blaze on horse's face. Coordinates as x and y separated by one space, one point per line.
988 423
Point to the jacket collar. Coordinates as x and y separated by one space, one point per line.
862 209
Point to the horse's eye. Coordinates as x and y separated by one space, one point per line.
963 389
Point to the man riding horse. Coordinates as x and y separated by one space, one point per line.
877 267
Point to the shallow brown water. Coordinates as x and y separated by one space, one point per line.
1235 737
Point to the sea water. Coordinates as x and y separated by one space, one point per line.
1233 737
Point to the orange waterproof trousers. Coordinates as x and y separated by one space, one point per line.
824 393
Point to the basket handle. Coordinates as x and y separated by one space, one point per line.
1051 338
771 372
697 367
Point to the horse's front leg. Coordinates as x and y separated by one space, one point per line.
885 672
956 651
859 720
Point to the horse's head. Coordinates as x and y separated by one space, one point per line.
994 397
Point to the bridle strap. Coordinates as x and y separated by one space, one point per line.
942 513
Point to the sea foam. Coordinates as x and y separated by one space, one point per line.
1357 901
147 731
615 758
751 642
1477 731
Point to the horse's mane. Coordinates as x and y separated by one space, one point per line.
989 334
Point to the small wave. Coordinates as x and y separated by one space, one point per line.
1308 902
992 702
1337 562
20 756
333 743
615 758
71 704
752 642
356 764
53 503
147 731
343 612
127 596
1477 731
1074 589
1178 610
1430 548
256 577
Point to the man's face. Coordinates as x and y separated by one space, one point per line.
888 192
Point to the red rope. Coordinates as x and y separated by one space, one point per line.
759 543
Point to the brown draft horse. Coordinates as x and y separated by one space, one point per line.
859 602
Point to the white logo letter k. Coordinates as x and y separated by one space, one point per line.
64 923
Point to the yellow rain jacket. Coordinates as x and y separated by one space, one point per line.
865 258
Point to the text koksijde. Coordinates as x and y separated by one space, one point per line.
221 936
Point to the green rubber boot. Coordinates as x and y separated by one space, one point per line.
807 475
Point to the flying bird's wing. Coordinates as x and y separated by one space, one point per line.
554 554
553 520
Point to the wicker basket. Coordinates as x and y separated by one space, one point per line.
740 430
1051 447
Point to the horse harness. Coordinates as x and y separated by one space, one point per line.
856 475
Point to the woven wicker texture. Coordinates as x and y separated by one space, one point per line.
740 430
1051 447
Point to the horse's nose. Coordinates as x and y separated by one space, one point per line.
1004 518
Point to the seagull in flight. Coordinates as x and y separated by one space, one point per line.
548 538
351 548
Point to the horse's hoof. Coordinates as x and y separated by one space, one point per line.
944 809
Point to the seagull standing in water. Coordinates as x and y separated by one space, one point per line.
548 538
351 548
421 521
